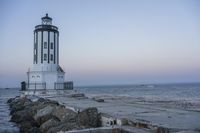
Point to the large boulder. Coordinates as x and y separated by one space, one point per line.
25 126
28 127
63 114
41 103
18 104
11 100
89 117
64 126
60 119
21 116
48 124
44 114
33 130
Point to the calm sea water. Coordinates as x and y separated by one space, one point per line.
165 92
5 125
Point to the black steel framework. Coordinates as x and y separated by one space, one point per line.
36 86
41 46
36 47
54 50
48 46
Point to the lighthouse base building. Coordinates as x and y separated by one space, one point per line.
48 78
46 72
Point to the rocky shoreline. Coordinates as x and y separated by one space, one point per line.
74 112
48 116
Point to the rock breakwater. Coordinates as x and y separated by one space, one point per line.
48 116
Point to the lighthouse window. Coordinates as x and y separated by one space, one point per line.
45 56
51 45
45 45
35 57
51 57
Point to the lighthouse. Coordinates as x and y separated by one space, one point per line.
46 72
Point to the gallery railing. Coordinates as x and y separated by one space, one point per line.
43 86
65 85
36 86
58 86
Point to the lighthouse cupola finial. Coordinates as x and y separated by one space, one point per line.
46 20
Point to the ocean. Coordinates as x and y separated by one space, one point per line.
181 96
5 125
150 92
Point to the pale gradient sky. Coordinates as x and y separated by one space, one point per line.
106 41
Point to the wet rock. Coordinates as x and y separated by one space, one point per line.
40 104
40 100
89 117
64 114
18 104
98 100
21 116
10 100
65 126
27 126
44 114
48 124
33 130
25 119
62 119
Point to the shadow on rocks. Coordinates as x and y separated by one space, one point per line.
47 116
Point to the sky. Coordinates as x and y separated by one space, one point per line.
106 41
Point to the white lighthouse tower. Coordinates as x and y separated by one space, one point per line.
46 72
